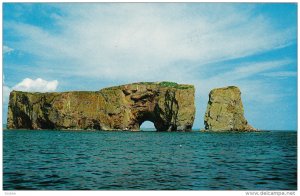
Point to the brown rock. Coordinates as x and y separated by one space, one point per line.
168 105
225 111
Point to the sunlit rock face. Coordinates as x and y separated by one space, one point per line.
170 106
225 111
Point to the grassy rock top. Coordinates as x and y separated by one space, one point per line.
154 85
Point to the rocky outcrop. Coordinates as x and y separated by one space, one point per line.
170 106
225 111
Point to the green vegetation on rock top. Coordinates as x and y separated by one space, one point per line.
149 83
168 84
159 84
175 85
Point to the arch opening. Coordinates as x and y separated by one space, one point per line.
147 126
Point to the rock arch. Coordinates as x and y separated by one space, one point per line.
147 126
170 106
158 106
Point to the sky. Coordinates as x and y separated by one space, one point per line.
89 46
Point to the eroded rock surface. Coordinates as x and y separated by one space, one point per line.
225 111
168 105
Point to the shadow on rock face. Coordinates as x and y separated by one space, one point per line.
170 106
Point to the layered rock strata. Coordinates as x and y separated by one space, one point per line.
170 106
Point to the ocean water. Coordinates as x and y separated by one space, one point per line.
99 160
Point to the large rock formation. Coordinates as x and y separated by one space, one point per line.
168 105
225 111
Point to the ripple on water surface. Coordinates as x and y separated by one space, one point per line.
95 160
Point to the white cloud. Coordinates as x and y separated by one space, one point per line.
281 74
153 42
38 85
246 70
29 85
143 41
7 49
6 91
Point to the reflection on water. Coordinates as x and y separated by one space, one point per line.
66 160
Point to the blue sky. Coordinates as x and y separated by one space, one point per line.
76 46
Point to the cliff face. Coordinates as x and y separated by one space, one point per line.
225 111
169 106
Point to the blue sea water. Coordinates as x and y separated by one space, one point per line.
99 160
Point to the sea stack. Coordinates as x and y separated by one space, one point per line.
225 111
170 106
